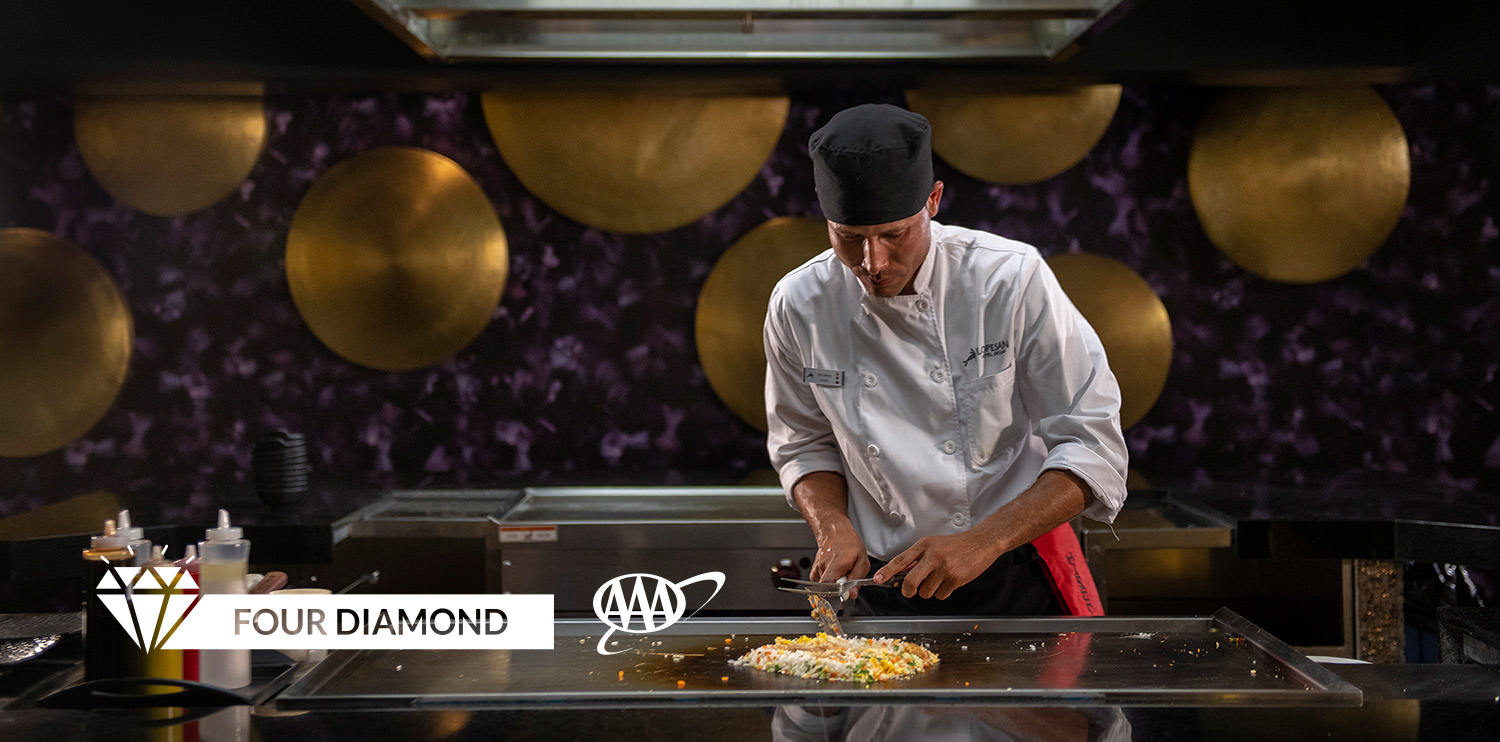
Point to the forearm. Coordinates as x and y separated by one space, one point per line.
1056 497
823 499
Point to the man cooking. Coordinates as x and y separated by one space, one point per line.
936 405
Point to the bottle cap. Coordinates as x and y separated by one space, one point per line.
127 531
158 559
223 532
110 539
189 554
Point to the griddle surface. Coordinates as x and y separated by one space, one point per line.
1156 661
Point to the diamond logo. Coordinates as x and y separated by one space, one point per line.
148 602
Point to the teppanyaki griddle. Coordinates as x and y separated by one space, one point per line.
1196 661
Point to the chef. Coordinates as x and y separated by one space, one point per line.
936 404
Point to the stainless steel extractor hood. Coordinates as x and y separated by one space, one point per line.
739 30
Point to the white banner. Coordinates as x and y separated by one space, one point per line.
360 622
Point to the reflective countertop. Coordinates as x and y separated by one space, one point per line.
1455 718
1412 703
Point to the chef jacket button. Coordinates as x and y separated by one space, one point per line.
895 515
939 375
872 449
959 519
870 380
922 304
949 446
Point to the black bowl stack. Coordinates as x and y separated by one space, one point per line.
279 461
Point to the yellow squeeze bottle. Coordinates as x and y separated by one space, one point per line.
161 662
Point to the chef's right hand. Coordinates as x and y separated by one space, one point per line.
840 554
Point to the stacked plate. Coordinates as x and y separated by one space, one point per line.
279 461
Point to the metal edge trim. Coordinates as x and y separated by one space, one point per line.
1297 663
316 675
378 13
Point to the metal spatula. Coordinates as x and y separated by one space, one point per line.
831 589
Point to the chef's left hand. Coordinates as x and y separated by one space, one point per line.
938 565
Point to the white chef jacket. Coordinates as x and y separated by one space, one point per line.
941 406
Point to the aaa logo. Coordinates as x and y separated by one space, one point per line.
148 603
652 604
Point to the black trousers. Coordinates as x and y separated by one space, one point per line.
1015 585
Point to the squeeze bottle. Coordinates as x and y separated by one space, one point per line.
224 558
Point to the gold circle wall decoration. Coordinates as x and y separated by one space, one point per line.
1015 138
634 162
1299 185
396 259
732 309
65 340
1131 321
169 154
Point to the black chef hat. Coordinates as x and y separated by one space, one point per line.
872 164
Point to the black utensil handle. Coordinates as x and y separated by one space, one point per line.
123 693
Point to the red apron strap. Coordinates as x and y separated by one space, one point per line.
1066 660
1071 579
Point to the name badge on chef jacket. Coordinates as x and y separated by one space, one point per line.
822 377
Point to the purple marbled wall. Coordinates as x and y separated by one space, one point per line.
589 365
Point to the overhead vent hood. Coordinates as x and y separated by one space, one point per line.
740 30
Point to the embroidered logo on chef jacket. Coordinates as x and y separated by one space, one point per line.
988 350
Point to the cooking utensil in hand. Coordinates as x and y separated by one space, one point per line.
840 589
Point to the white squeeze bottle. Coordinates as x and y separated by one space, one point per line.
224 558
135 539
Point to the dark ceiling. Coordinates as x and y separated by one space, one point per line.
333 44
